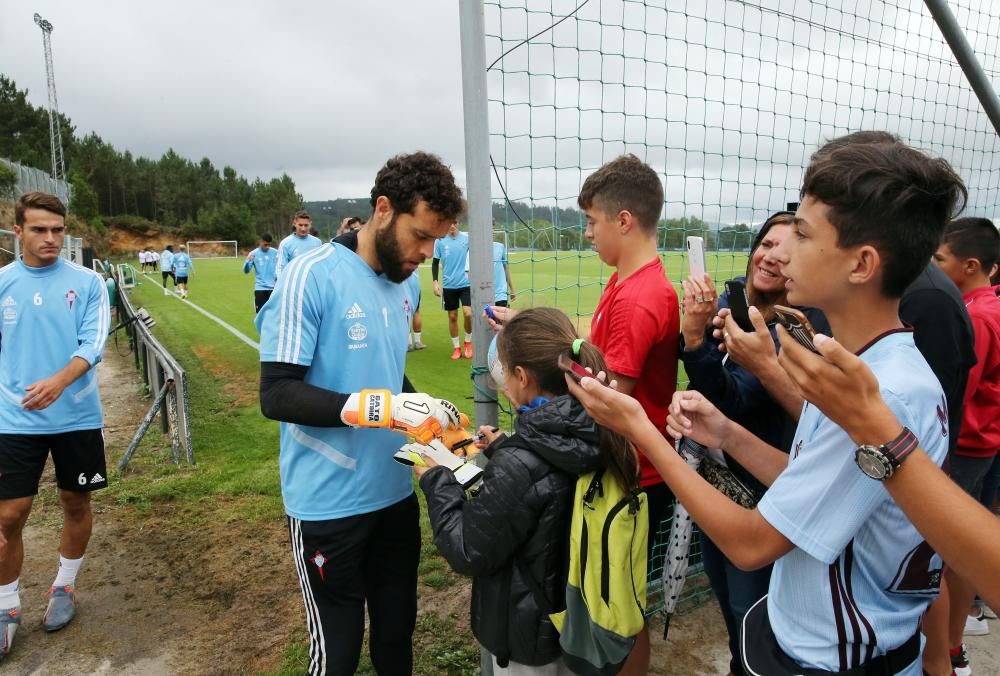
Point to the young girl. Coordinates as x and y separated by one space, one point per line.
518 523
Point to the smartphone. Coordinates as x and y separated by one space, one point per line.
489 313
796 324
575 371
696 257
739 304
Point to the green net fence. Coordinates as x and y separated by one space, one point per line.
726 99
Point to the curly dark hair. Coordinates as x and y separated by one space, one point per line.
408 179
882 192
625 183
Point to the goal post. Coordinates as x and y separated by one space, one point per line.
218 248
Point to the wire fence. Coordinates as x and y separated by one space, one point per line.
30 179
726 100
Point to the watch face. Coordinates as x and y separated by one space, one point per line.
872 463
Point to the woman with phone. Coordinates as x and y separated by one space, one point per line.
741 395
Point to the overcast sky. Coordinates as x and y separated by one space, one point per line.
725 99
322 90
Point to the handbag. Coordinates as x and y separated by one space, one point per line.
727 483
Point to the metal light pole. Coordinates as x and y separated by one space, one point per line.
55 133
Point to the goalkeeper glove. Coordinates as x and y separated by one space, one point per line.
416 415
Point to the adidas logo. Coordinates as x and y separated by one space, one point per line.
9 302
97 478
355 312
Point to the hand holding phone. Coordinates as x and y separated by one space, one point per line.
796 323
739 304
575 371
489 313
696 257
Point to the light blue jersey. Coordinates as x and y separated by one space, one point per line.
452 252
182 264
264 266
331 312
501 292
166 260
860 576
293 246
49 316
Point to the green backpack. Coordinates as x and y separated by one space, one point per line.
606 588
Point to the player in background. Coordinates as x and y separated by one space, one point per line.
264 261
503 286
852 577
966 255
55 321
167 267
299 242
182 266
450 253
333 347
416 321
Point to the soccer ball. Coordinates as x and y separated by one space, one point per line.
493 361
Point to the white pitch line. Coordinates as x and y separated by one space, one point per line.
228 327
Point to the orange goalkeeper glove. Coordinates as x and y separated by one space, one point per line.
416 415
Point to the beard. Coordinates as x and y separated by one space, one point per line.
390 257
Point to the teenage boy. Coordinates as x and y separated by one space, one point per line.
450 252
55 323
637 319
264 262
298 242
966 255
852 577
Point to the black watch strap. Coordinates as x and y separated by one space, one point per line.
901 446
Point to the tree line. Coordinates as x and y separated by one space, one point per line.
195 198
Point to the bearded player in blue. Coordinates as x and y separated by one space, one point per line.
263 261
333 346
55 321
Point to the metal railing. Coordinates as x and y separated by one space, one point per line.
164 377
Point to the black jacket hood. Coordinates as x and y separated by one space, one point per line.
561 433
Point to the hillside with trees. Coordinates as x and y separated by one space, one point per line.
193 198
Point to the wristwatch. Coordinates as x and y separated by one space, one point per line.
879 462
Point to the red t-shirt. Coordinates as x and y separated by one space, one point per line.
636 325
980 435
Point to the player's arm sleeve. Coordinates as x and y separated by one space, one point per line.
285 396
822 499
435 264
479 536
247 265
93 331
280 265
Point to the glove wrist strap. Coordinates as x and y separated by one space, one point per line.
374 408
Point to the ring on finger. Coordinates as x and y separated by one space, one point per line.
700 299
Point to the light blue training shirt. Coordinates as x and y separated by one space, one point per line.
182 264
331 312
50 315
860 576
166 260
452 252
292 247
265 268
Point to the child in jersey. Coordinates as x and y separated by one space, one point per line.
852 576
518 523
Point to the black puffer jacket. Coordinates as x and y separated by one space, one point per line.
517 525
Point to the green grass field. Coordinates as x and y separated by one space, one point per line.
237 448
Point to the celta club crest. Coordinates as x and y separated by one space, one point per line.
319 561
71 297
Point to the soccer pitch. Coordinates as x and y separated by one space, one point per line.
570 280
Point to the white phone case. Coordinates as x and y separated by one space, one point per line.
696 256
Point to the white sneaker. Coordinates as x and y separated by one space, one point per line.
166 293
976 626
988 612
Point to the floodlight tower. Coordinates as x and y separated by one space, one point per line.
55 133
